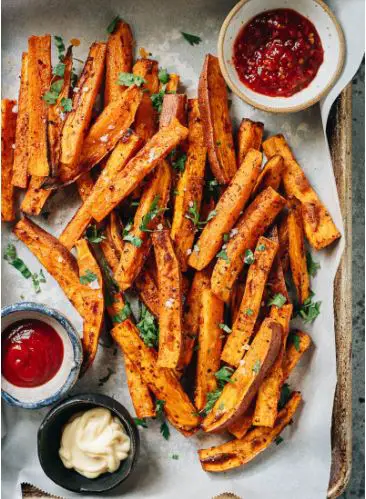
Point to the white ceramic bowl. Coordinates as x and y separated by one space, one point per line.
331 36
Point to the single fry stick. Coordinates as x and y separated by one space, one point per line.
162 382
238 452
110 254
236 298
148 291
214 111
8 126
21 154
174 105
250 135
276 283
294 351
35 197
118 60
210 343
227 210
269 392
116 228
39 74
173 83
255 220
243 326
189 187
170 298
242 425
119 187
270 176
136 250
297 252
145 124
85 185
319 227
283 240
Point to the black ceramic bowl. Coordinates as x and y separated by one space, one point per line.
49 438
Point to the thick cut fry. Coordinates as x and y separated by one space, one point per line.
110 254
136 250
269 392
144 162
162 382
170 299
173 83
249 137
283 240
210 343
227 210
148 291
121 155
85 186
270 176
146 118
61 264
276 283
319 227
116 228
21 154
78 120
237 395
238 452
39 74
118 60
35 197
243 326
297 251
236 298
214 111
294 351
242 425
189 187
255 220
174 105
8 125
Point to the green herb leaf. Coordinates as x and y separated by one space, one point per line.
159 408
88 277
211 400
179 163
223 255
225 328
163 75
278 300
284 396
128 79
309 310
59 69
94 235
164 430
213 188
224 374
157 99
123 314
37 279
50 98
312 266
191 39
10 253
153 212
248 312
211 215
60 47
149 331
249 257
295 340
257 366
112 26
140 422
226 237
134 240
10 256
174 456
278 440
261 247
66 104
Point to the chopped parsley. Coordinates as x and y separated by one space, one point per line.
174 456
278 440
312 266
224 374
257 366
179 163
140 422
149 331
248 312
153 212
213 189
226 237
66 104
164 430
309 310
191 39
37 279
278 300
284 396
59 69
211 399
248 257
294 339
112 25
134 240
223 255
128 79
157 99
94 235
163 76
88 277
11 257
225 328
51 96
60 46
261 247
122 314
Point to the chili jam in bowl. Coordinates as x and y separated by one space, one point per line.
281 56
41 355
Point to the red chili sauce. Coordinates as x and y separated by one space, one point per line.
278 53
32 353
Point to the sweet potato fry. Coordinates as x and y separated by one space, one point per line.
121 155
115 226
118 60
283 241
148 291
78 120
35 197
214 111
39 74
319 227
242 425
153 202
295 348
250 135
269 392
162 381
21 154
85 184
138 167
236 298
170 299
238 452
146 118
174 105
210 343
256 218
8 126
243 326
297 252
189 187
276 283
245 381
270 176
110 254
227 210
173 83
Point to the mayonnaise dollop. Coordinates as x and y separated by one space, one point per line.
94 442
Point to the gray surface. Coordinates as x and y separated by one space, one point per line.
356 487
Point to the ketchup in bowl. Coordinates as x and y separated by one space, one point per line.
32 353
278 53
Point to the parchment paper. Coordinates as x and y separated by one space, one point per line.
300 466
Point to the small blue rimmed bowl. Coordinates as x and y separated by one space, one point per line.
57 387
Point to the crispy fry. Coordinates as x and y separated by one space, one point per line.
162 381
256 218
170 299
39 74
189 187
116 228
148 291
242 425
110 254
238 452
135 252
237 395
319 227
297 252
236 299
21 155
214 111
276 283
35 198
173 83
85 185
146 119
283 240
294 352
210 343
227 210
138 167
243 326
8 126
249 137
174 105
270 176
118 60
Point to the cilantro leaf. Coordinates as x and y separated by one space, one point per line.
157 99
191 39
225 328
128 79
112 25
211 215
312 266
295 340
163 75
149 332
123 314
284 396
134 240
261 247
211 399
249 257
153 212
140 422
37 279
179 163
248 312
50 97
278 300
10 256
66 104
164 430
60 46
174 456
59 69
224 374
94 235
88 277
278 440
223 255
159 408
309 310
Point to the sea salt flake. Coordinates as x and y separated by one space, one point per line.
104 138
